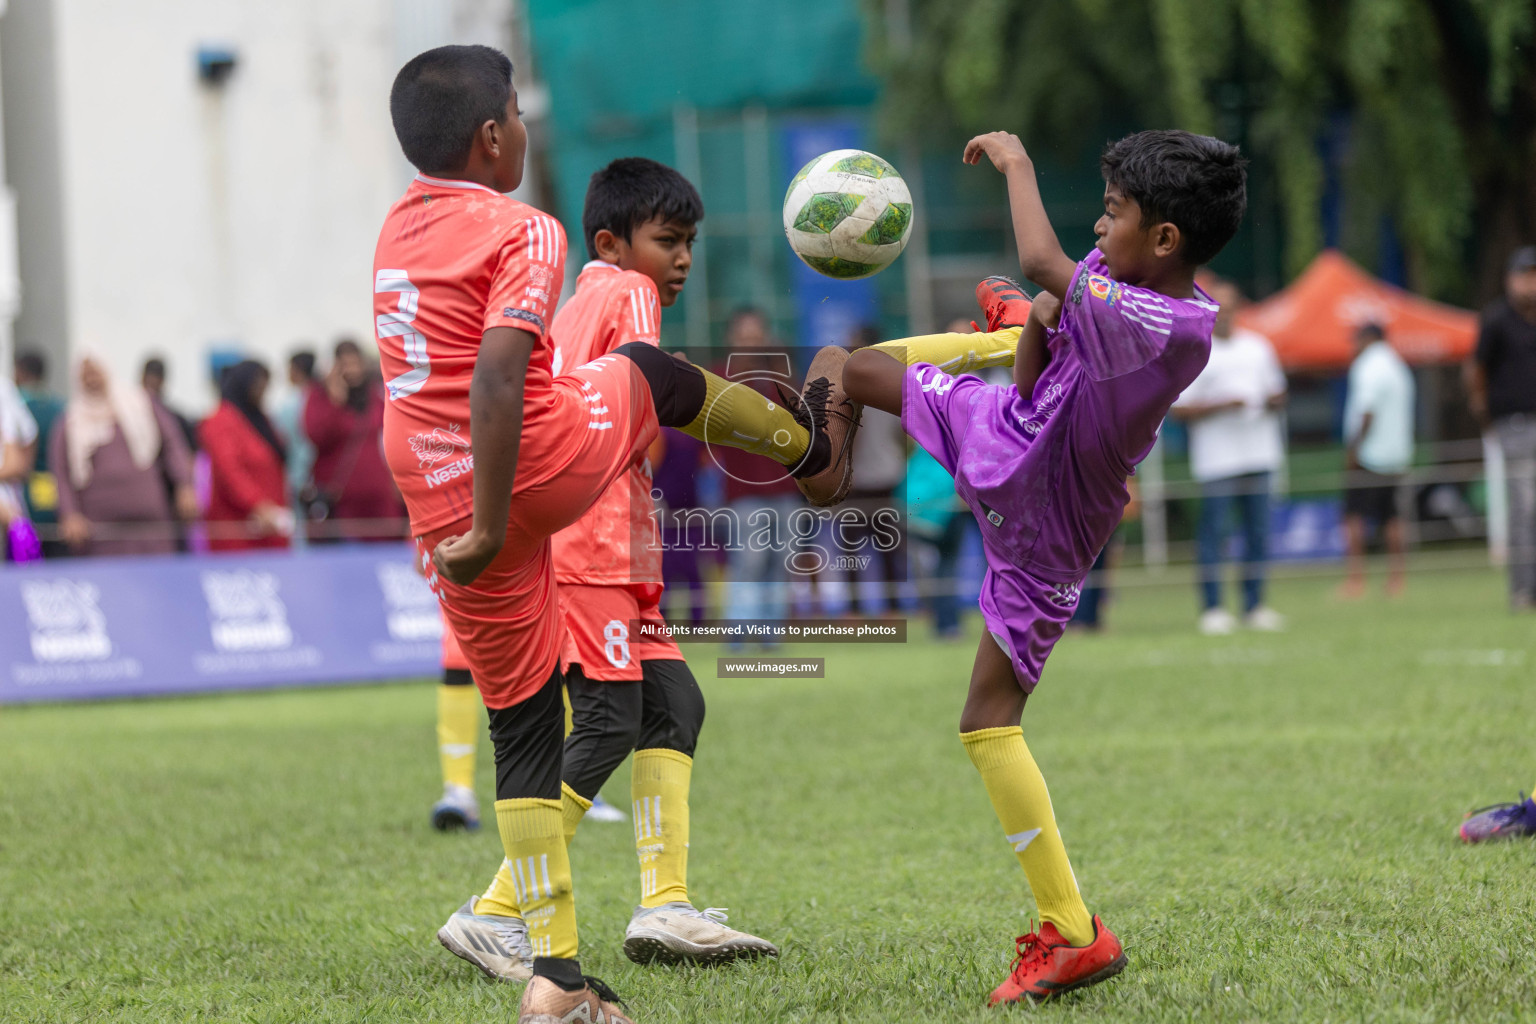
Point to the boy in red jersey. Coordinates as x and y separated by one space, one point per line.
628 692
494 454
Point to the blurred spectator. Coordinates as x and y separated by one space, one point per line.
758 491
683 536
1502 382
153 382
937 521
879 463
18 441
1097 587
42 489
1378 436
344 419
248 507
1236 445
123 468
290 421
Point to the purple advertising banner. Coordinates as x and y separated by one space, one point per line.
117 627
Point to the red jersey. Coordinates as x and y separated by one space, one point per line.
455 259
616 541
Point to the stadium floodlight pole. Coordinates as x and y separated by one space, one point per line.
760 225
1498 500
1154 508
685 144
917 268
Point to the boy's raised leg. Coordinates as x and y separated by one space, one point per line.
811 440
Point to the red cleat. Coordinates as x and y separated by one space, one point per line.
1003 302
1047 966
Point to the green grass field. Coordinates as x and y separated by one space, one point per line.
1266 821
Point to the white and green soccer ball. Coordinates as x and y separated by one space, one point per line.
848 214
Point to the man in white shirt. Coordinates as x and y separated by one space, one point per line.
1378 438
1236 445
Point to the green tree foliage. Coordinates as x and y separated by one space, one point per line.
1433 101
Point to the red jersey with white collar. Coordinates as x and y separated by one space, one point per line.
616 542
455 259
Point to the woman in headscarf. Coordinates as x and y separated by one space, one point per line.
248 506
344 417
120 464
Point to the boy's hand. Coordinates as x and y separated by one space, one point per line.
462 559
1046 309
1003 148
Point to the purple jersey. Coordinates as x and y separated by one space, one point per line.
1046 474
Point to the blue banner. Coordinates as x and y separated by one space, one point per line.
115 627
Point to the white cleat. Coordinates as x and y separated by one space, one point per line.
497 945
1265 620
1217 622
457 809
676 932
602 810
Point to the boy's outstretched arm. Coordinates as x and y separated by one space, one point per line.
1041 257
495 433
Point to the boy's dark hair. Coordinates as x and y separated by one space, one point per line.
304 362
1195 182
347 347
631 191
31 365
442 97
153 367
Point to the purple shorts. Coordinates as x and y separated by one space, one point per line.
948 415
1026 616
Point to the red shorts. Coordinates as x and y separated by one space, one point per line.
598 629
508 621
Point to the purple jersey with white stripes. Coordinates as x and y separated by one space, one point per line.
1046 474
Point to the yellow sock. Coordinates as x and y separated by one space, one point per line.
659 785
573 807
500 899
458 727
738 416
1023 805
534 840
957 353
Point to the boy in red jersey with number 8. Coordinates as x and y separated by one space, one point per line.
494 454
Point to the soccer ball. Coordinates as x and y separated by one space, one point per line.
848 214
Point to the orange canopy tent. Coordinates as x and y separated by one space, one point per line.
1312 322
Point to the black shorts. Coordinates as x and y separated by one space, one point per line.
1372 496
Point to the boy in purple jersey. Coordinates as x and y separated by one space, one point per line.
1098 358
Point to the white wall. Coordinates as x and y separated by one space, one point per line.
241 216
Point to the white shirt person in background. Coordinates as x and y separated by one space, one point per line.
1236 445
1378 439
